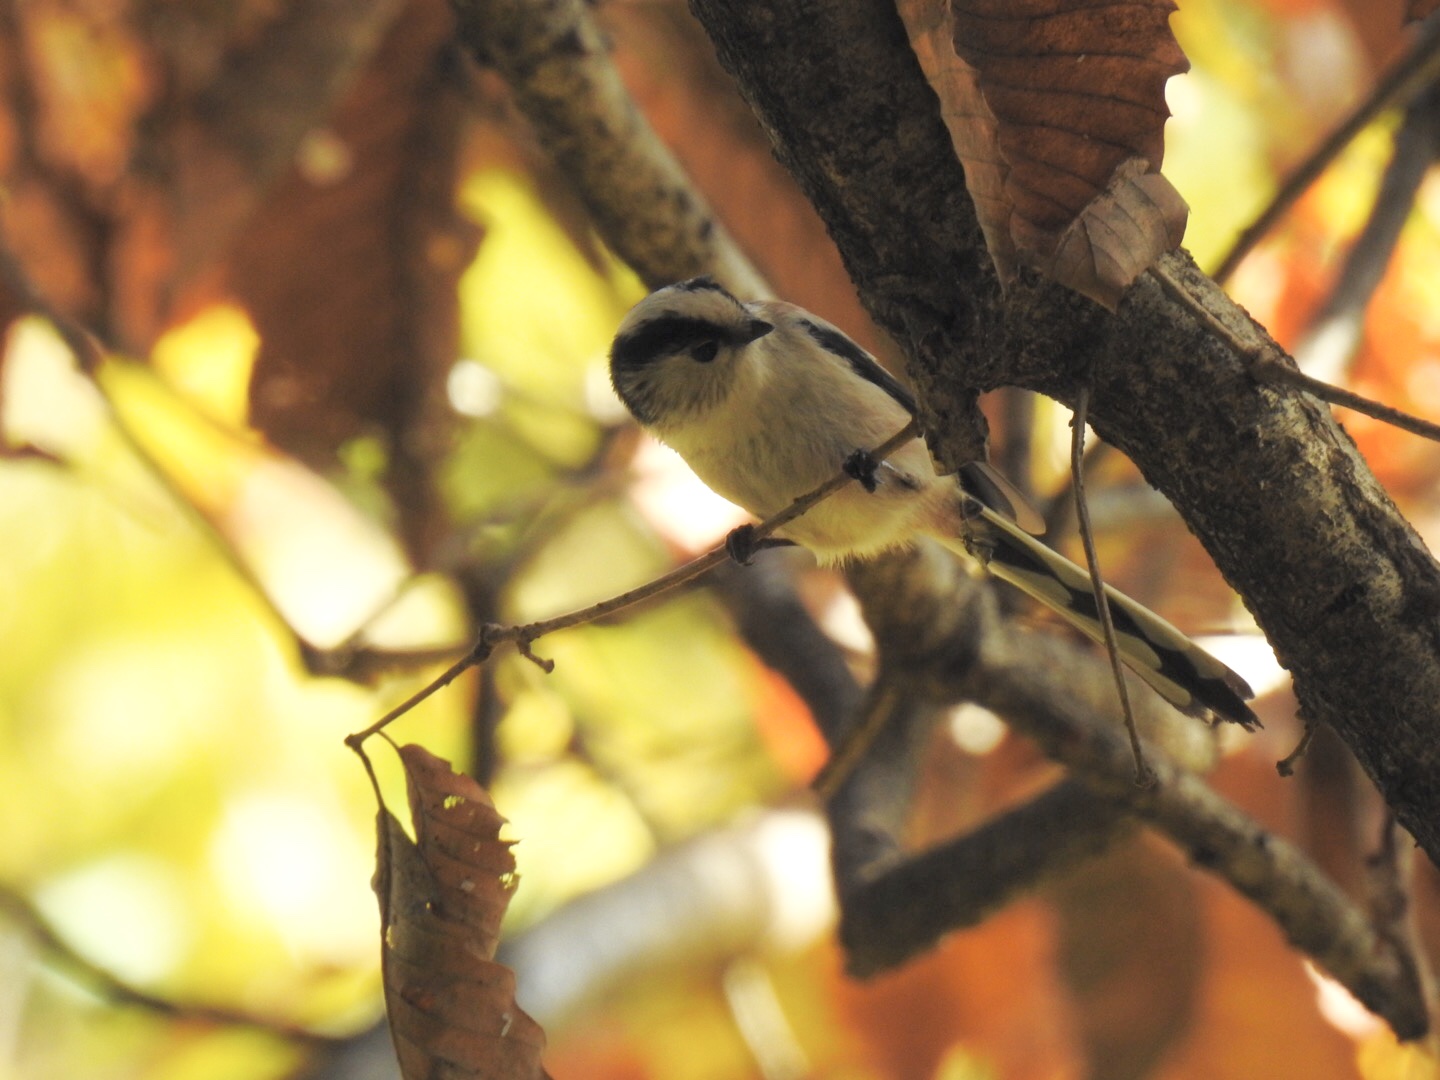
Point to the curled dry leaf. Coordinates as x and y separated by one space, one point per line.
1115 239
1057 110
452 1008
974 129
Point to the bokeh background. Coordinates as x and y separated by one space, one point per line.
346 400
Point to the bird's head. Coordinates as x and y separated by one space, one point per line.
674 354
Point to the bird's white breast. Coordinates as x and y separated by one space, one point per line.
787 424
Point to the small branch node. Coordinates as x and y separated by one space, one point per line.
1146 779
1286 765
543 663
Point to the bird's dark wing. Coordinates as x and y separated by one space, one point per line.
977 478
860 361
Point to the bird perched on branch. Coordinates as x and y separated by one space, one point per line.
766 401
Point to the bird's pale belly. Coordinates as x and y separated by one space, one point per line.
853 522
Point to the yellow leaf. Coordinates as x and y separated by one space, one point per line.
209 359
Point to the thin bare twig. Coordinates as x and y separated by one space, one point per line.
1333 337
1270 367
19 910
1419 68
1286 765
522 636
1143 774
90 357
1268 364
874 716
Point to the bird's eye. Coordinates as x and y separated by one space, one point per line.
705 351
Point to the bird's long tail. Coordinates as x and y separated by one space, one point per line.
1179 670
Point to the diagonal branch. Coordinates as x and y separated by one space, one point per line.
1315 915
555 59
525 635
1333 337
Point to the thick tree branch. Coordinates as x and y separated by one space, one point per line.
1275 490
1314 914
776 624
903 907
554 58
895 903
932 621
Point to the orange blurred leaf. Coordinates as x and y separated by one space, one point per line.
452 1008
216 153
990 990
1131 951
350 268
1381 1057
1057 110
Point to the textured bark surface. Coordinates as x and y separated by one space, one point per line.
555 58
1266 479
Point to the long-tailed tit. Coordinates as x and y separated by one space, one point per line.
766 401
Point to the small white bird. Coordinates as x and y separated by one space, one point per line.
766 401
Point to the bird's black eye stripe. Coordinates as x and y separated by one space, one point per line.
662 336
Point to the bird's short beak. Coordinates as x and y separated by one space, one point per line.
758 328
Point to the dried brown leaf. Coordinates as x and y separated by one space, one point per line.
1117 236
213 156
351 275
974 130
452 1008
1057 109
1416 10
